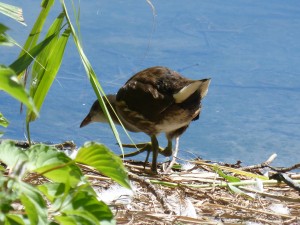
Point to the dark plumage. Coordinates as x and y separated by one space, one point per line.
155 100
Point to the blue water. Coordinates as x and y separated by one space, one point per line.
250 49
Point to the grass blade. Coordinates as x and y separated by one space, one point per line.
13 12
37 28
92 76
51 58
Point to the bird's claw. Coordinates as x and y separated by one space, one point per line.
142 147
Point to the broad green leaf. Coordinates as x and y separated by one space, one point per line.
77 205
103 160
53 190
225 176
12 155
34 203
10 84
53 164
66 220
84 206
92 76
61 195
14 219
13 12
3 121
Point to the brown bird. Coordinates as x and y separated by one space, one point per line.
155 100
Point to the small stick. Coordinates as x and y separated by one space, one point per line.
160 198
262 165
285 169
281 177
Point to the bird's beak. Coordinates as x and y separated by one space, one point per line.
87 120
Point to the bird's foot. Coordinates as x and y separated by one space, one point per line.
147 146
142 147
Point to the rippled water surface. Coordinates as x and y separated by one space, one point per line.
250 49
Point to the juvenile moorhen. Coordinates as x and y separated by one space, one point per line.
155 100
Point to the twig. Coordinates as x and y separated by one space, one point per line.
285 169
145 182
269 195
261 165
286 179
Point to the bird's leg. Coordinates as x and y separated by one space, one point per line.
142 147
147 157
150 146
168 150
174 156
155 147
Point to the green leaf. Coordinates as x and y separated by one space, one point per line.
48 62
37 27
13 219
225 176
232 170
4 38
24 60
78 205
3 121
84 206
53 190
34 204
3 28
2 168
53 164
10 84
177 166
13 12
92 77
7 198
43 58
12 155
103 160
61 195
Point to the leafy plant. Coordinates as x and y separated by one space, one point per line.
70 197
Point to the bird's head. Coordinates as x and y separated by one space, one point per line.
96 113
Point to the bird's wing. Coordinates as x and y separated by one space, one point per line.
145 99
